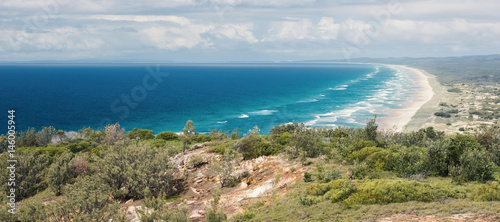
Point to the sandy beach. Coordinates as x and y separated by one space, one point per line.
398 119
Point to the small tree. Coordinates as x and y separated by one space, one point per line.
371 128
187 134
60 172
225 168
113 133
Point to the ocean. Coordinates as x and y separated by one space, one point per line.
215 96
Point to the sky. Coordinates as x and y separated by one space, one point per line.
245 30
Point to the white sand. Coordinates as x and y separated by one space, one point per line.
399 118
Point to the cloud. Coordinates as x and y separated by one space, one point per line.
302 29
142 18
238 32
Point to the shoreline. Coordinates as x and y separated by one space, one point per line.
406 118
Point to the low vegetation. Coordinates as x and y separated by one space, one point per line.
354 169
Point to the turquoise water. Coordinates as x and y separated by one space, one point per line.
222 96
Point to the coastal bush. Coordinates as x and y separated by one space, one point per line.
129 170
167 136
475 165
371 129
437 161
327 175
142 134
411 161
347 147
281 138
286 128
489 191
214 213
153 209
455 90
398 191
88 199
60 172
225 168
113 133
201 138
157 143
305 141
458 145
358 171
218 134
442 114
361 155
30 170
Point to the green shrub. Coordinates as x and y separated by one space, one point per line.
437 161
88 199
486 192
455 90
359 171
352 146
157 143
60 173
142 134
361 155
128 171
391 191
282 138
442 114
30 170
305 141
328 175
214 213
475 165
167 136
220 149
75 147
458 145
307 177
158 212
218 134
411 161
201 138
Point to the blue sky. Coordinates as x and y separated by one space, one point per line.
245 30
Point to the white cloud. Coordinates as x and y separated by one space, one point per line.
172 38
239 32
303 29
143 18
327 28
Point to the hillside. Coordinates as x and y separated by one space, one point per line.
294 173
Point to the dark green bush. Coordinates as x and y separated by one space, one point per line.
142 134
167 136
411 161
128 171
437 161
201 138
30 170
60 172
442 114
282 138
307 177
458 145
475 165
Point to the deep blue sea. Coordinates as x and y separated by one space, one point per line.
222 96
